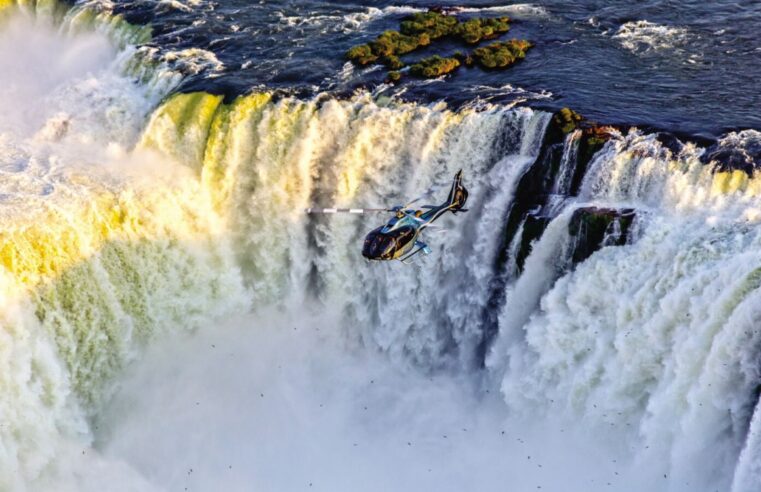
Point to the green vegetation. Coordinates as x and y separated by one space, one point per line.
387 47
395 43
361 54
434 66
393 62
567 120
597 135
434 24
475 30
437 25
593 136
421 29
394 76
501 54
592 139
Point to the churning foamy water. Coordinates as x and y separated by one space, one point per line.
172 319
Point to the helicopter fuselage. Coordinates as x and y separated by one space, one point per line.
395 239
399 237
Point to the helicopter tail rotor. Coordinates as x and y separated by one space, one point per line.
458 195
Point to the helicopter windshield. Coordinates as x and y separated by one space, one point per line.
380 245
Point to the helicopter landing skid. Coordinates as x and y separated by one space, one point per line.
420 247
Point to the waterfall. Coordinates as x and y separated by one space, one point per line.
747 473
561 186
266 161
102 249
573 335
659 337
617 291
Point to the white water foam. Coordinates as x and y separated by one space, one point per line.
97 245
654 342
519 95
642 37
279 403
356 21
346 23
517 10
617 374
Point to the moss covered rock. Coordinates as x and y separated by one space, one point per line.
394 77
475 30
386 48
361 54
435 24
501 54
434 66
421 29
395 43
567 120
393 62
597 135
438 25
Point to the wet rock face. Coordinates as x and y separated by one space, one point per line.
535 186
737 151
593 136
531 195
537 201
592 228
533 228
567 120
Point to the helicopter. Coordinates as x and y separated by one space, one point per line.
399 238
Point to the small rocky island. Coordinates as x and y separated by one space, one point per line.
426 28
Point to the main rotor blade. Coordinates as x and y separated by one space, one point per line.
430 192
346 210
408 204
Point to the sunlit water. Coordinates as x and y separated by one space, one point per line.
171 319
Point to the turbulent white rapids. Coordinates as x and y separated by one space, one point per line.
171 318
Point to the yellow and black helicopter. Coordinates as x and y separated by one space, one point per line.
399 238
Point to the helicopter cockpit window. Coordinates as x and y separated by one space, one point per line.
403 236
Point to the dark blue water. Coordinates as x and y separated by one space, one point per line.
686 66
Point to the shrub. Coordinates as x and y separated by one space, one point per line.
434 66
501 54
567 120
476 30
361 54
393 62
420 29
434 24
394 76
